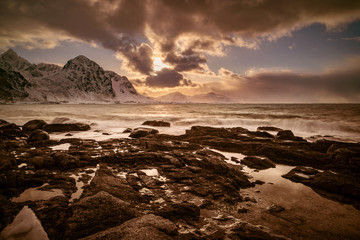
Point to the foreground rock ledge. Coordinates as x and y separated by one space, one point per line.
157 186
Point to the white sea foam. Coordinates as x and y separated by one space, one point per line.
338 120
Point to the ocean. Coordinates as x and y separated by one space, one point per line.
311 121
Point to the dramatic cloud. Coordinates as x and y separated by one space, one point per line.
186 62
182 34
165 78
209 24
139 58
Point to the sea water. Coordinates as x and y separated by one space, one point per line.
333 121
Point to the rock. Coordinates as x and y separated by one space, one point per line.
275 208
260 134
66 127
128 130
335 186
245 230
242 210
143 228
208 131
53 215
336 183
259 163
259 182
268 128
26 225
68 135
104 180
188 212
10 131
7 161
38 135
33 125
65 161
157 123
97 213
287 135
7 125
142 132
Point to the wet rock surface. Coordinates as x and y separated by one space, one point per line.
66 127
142 132
155 123
258 162
158 186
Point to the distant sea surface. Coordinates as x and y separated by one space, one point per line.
331 121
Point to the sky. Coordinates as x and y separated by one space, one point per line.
252 51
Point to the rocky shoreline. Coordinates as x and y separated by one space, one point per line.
158 186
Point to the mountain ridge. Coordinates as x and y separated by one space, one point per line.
177 97
80 80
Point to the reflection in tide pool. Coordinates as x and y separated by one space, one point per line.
306 212
35 194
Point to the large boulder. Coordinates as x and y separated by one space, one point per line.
157 123
97 213
142 132
66 127
38 135
143 228
259 163
33 125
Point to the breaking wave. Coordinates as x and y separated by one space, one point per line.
338 120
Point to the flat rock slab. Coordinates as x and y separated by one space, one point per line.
157 123
66 127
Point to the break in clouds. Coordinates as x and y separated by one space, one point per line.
181 33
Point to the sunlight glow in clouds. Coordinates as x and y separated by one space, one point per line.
159 65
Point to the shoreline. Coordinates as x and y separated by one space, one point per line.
198 192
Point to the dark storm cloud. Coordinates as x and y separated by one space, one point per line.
165 78
246 18
109 22
186 62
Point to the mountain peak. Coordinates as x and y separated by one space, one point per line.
81 58
9 55
80 61
9 60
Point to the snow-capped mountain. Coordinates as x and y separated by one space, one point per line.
176 97
79 81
